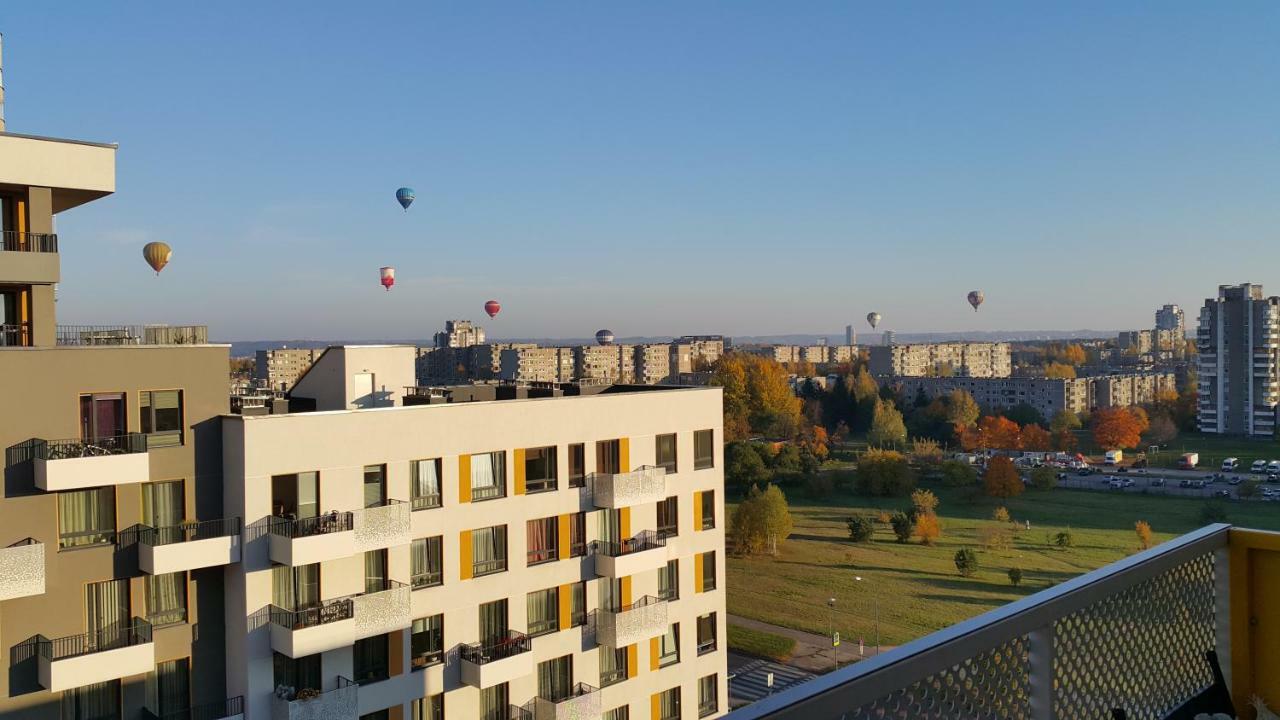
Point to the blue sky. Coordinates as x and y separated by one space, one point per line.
658 167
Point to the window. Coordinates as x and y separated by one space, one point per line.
384 714
168 688
375 485
489 550
494 703
99 701
704 455
539 469
424 484
167 599
578 534
427 562
708 691
555 678
669 581
300 674
706 633
488 476
610 594
669 704
161 412
708 571
102 416
608 457
295 588
107 611
86 517
543 539
429 708
371 657
163 507
578 604
493 622
577 465
296 495
375 571
665 452
544 611
669 517
669 646
613 665
622 712
708 519
427 641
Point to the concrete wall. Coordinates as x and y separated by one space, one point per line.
331 379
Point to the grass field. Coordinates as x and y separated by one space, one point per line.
917 587
760 644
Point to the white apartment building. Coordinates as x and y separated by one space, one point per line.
960 359
459 334
547 558
1238 358
652 362
537 364
605 363
280 368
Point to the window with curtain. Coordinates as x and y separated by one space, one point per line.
669 517
543 611
665 452
669 581
167 599
555 678
375 485
163 504
669 646
375 571
540 469
429 708
426 561
578 604
300 674
669 704
493 622
610 526
622 712
709 570
577 465
488 475
708 690
608 456
99 701
706 633
494 703
372 659
102 416
704 455
610 594
489 550
296 495
107 613
578 534
542 537
168 687
86 517
295 588
613 665
424 484
426 642
161 412
708 518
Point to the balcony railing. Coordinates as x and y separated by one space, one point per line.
645 484
330 522
646 540
330 611
426 502
511 644
383 607
641 620
132 334
488 567
139 633
580 701
14 241
706 646
430 578
1136 637
189 531
96 447
230 707
15 335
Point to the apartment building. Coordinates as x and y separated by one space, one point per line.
459 334
112 542
604 363
537 364
815 354
1238 359
652 363
280 368
1171 317
958 359
558 557
1137 342
704 350
1049 395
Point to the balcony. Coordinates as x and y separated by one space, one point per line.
22 569
340 702
382 526
29 257
78 464
303 541
383 611
189 546
14 241
583 701
645 551
71 662
15 335
326 626
641 620
132 335
1184 628
229 709
613 491
484 666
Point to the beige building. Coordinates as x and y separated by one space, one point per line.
1048 395
1137 342
280 368
459 334
604 363
959 359
652 363
704 350
537 364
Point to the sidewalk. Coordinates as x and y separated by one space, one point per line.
812 652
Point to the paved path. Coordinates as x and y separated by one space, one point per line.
748 682
812 652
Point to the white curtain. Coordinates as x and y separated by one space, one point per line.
86 517
488 471
426 481
106 607
167 598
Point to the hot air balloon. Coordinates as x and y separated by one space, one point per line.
493 308
388 275
604 337
405 196
873 319
975 299
157 255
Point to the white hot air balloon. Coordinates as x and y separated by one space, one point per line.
873 319
975 298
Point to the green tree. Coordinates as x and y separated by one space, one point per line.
1043 478
1247 489
887 427
743 465
861 528
1064 420
884 473
865 393
903 527
760 521
1024 414
962 409
966 561
776 517
1015 576
1065 539
787 459
958 474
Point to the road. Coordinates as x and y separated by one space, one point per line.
1144 482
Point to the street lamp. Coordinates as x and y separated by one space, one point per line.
876 599
831 631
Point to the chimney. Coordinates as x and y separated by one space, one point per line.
1 83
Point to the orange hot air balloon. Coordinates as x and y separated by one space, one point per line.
157 255
493 308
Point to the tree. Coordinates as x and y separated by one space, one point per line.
787 459
924 502
864 392
1000 433
903 527
1035 437
1024 414
997 537
757 397
861 528
962 409
1043 478
744 466
1015 576
1162 431
1116 428
928 529
776 517
1247 489
1002 479
958 474
1064 539
884 473
1060 371
1000 514
1064 441
966 561
1144 534
887 427
926 451
760 520
1064 420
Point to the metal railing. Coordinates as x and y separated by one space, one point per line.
577 690
512 643
329 611
613 677
430 578
208 711
15 335
541 555
488 567
138 633
532 487
330 522
426 502
489 492
189 531
1130 636
132 334
707 708
95 447
645 540
14 241
706 646
543 626
23 542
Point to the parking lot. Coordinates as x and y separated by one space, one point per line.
1160 481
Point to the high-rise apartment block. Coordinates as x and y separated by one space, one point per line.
958 359
537 364
1238 358
280 368
1171 317
459 334
1048 395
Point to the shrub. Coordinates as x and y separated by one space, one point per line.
744 464
1015 576
1044 478
884 473
958 474
1144 534
1064 539
902 526
819 486
926 451
1212 512
1247 489
925 502
995 538
883 517
928 529
1000 514
860 528
966 561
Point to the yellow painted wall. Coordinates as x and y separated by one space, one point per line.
565 534
626 590
624 522
464 478
566 606
697 511
655 707
697 572
633 662
465 566
1255 627
519 453
624 454
653 653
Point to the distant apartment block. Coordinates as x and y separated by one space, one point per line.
459 334
704 350
537 364
1238 359
652 363
1137 342
1171 317
815 354
604 363
1048 395
941 360
280 368
850 337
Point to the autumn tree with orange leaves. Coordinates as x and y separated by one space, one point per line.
1002 479
1117 428
1035 437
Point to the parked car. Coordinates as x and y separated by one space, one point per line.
1230 464
1273 466
1157 482
1222 493
1084 472
1122 469
1258 467
1235 480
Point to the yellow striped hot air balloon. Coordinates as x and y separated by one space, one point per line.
157 255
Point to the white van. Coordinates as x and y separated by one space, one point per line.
1273 466
1230 464
1258 466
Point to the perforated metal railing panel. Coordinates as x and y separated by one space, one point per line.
989 686
1141 650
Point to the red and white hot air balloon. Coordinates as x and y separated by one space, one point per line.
493 308
388 274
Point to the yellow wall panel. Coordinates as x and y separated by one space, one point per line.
697 572
624 454
653 653
465 567
624 522
655 707
633 663
626 590
697 511
565 533
464 478
519 453
566 606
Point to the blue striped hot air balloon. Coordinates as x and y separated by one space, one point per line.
405 196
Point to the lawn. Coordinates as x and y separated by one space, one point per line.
918 588
760 644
